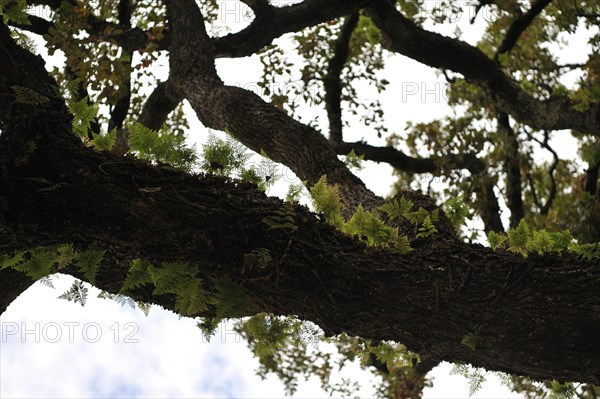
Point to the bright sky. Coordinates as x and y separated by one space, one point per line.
53 348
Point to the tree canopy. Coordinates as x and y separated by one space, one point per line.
97 180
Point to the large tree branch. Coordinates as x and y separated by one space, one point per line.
332 80
273 22
531 315
487 205
512 166
400 160
161 102
439 51
519 25
259 125
269 23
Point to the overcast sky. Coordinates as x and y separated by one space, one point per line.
53 348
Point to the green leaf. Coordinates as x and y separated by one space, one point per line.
366 225
395 209
586 251
104 142
77 293
496 240
258 259
519 237
66 256
326 200
457 211
11 261
470 341
402 245
137 275
354 161
14 11
83 115
40 264
25 95
88 263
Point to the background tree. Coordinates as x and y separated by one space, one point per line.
206 246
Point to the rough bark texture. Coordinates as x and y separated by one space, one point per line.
537 316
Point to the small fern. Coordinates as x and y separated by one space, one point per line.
354 161
14 11
257 259
282 219
78 293
137 275
25 95
88 263
326 200
519 237
84 114
395 210
497 240
39 264
368 226
586 251
457 211
104 142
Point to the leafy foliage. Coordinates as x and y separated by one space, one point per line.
524 240
163 146
78 293
282 219
258 259
25 95
41 262
84 114
457 211
326 201
14 11
366 224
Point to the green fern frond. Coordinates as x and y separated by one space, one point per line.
457 211
586 251
88 263
83 115
25 95
11 261
222 157
367 225
137 275
354 161
519 237
402 245
284 218
428 228
104 142
395 210
162 146
393 355
497 240
294 192
40 263
232 300
14 11
77 293
190 297
257 259
66 256
326 200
